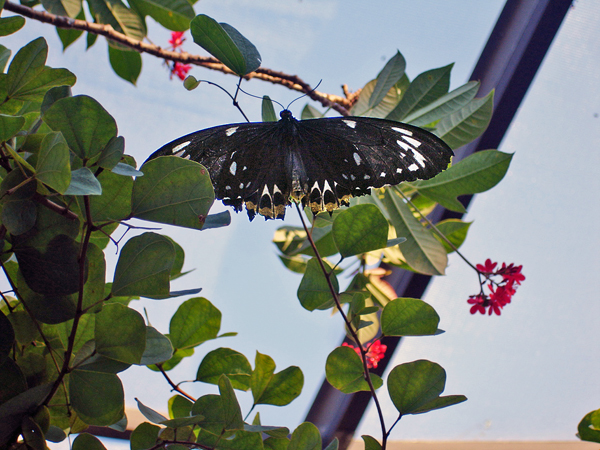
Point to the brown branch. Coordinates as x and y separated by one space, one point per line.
293 82
62 210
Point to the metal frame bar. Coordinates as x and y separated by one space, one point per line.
508 64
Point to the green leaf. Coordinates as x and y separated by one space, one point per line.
409 317
112 153
158 348
211 407
4 57
19 216
190 83
241 440
477 173
305 437
144 266
85 124
195 321
174 191
69 35
150 414
96 397
13 410
387 104
310 112
421 250
126 170
268 112
83 182
176 359
114 204
10 25
120 333
126 63
175 15
179 407
390 74
468 123
224 361
270 388
144 436
333 445
371 443
344 371
232 412
314 292
54 94
424 90
273 443
32 434
416 386
7 336
360 229
454 230
443 106
69 8
53 167
588 429
86 441
12 380
226 44
26 66
121 18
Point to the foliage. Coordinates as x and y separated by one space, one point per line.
66 333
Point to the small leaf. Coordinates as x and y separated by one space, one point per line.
150 414
53 167
588 429
86 441
195 321
268 112
174 191
273 388
179 407
69 8
126 63
305 437
232 412
10 25
9 126
83 182
388 77
310 112
144 266
96 397
371 443
454 230
19 216
126 170
112 153
121 18
226 44
344 371
476 173
440 402
158 348
224 361
314 291
190 83
144 436
409 317
360 229
120 333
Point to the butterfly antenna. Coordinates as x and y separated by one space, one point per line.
260 98
304 95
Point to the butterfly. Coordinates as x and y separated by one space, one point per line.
321 163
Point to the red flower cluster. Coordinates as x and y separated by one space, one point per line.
501 291
178 69
375 352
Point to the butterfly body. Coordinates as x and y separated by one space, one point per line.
321 163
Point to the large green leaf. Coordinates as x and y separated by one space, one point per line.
120 333
144 266
468 123
69 8
305 437
9 126
421 250
174 191
443 106
53 167
344 371
360 229
96 397
224 361
226 44
391 73
232 413
121 18
126 63
477 173
174 15
26 66
115 202
314 291
270 388
85 124
10 25
144 436
158 347
195 321
387 104
409 317
424 90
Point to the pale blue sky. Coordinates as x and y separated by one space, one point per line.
528 374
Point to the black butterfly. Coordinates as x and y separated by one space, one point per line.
319 162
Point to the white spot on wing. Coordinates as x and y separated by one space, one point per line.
230 131
382 174
276 189
350 123
412 141
402 130
316 186
326 186
413 167
266 191
233 168
227 188
345 176
404 145
244 168
398 170
352 177
357 159
367 177
420 158
181 146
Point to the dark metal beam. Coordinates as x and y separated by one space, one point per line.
511 58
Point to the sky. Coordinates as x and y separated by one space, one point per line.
528 374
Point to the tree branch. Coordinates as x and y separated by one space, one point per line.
293 82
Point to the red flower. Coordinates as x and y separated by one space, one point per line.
180 70
479 302
488 267
177 39
501 291
375 352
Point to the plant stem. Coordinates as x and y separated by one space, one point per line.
349 327
173 385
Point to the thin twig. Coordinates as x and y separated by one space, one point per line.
173 385
293 82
